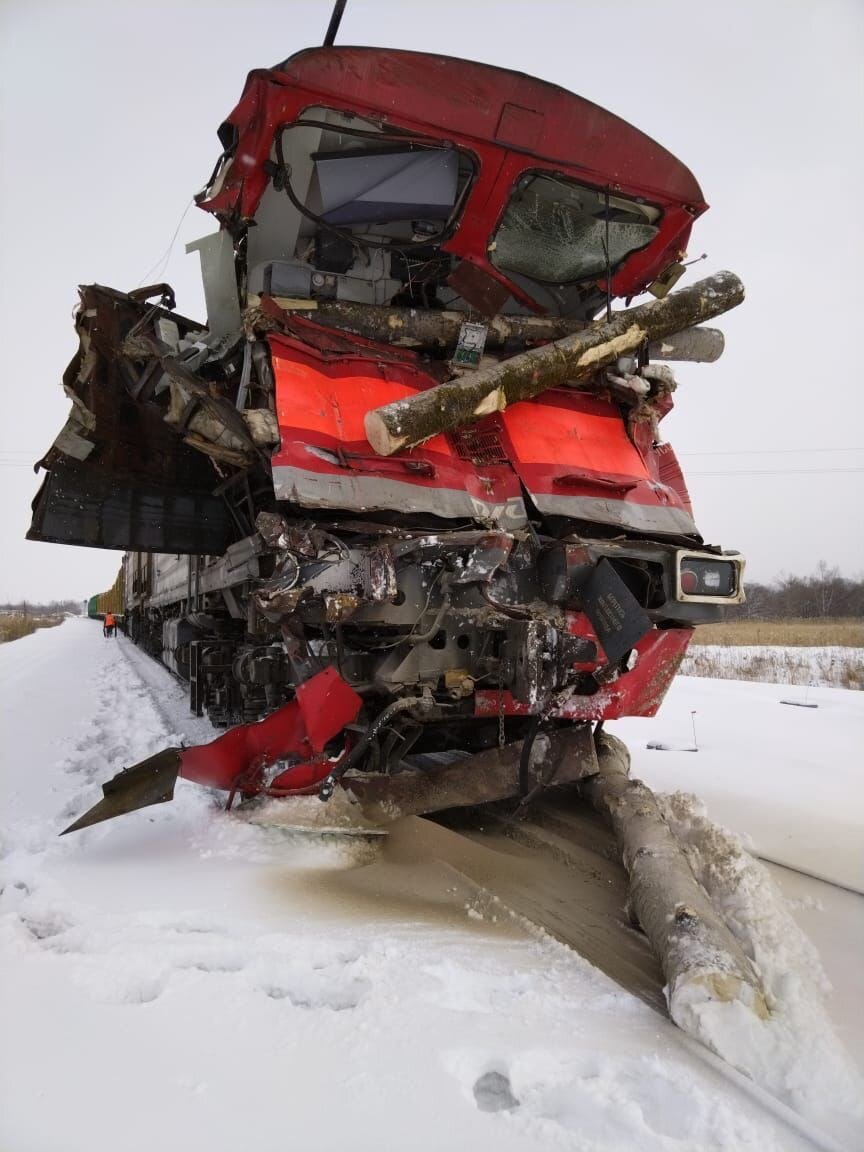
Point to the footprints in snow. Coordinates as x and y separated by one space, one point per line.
331 982
123 731
337 996
136 963
33 920
43 928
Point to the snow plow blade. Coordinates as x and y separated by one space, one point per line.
149 782
237 761
526 768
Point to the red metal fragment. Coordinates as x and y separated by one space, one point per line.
302 727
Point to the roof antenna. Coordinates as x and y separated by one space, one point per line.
335 21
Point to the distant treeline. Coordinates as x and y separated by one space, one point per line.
52 608
824 595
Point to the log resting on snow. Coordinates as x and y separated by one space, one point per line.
573 359
701 959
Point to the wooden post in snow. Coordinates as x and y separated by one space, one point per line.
701 959
408 422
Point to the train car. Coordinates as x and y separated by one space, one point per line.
113 600
401 512
391 226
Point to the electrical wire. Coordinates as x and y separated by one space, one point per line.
159 267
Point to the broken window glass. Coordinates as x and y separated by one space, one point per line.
555 230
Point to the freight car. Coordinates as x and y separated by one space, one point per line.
112 601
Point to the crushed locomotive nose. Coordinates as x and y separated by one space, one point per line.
400 512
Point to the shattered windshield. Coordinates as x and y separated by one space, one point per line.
555 230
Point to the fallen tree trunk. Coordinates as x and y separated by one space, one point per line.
408 422
415 327
435 330
702 961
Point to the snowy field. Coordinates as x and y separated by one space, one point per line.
827 666
183 979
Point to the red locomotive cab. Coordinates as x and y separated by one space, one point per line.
388 178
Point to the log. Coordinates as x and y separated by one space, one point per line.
695 345
211 424
415 327
262 425
702 961
575 358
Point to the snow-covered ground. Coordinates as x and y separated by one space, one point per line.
790 778
184 979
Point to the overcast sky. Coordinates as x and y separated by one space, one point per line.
109 118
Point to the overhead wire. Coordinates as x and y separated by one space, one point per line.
158 268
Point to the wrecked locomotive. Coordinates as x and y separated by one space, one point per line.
343 550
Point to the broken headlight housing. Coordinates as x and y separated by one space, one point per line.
706 578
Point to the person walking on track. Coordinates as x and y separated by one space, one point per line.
110 626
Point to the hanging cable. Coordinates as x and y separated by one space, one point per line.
162 262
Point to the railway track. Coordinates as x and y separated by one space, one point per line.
558 871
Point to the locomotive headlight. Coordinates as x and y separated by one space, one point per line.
711 579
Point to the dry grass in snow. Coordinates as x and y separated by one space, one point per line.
832 667
14 625
845 632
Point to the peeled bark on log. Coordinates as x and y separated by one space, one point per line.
416 327
702 961
409 422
